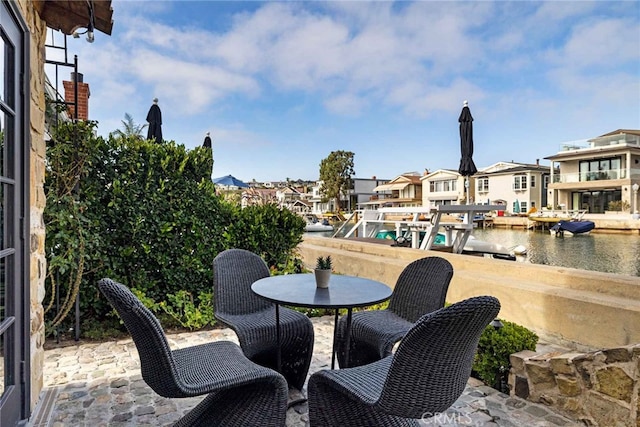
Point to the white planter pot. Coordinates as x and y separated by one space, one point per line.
322 278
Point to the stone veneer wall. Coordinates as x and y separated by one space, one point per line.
37 148
599 388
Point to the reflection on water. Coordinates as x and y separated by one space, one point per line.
610 253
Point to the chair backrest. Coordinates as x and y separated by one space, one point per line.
432 365
156 361
421 288
234 271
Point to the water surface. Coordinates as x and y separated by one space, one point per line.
609 253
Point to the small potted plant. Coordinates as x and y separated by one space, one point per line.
323 269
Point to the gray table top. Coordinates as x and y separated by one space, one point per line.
299 290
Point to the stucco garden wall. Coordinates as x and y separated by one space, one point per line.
36 152
595 314
579 309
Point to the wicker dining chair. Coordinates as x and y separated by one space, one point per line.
239 392
421 288
424 377
254 320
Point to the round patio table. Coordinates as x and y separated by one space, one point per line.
300 290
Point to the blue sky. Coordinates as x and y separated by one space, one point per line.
282 84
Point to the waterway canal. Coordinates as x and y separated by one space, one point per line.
610 253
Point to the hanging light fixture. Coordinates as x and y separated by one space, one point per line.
90 27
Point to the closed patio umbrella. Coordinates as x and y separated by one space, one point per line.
516 206
154 118
467 167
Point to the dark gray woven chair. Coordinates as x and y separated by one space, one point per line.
424 377
421 288
254 319
239 392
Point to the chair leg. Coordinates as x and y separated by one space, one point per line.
251 405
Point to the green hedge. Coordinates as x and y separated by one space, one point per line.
145 214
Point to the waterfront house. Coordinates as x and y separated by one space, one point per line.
591 176
520 187
363 192
444 187
320 204
403 191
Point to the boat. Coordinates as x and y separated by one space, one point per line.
572 227
409 227
555 216
316 225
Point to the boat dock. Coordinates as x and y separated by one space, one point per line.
418 225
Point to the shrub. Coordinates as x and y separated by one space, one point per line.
189 313
491 363
145 214
267 230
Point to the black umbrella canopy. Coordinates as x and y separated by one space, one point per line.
207 141
154 118
467 167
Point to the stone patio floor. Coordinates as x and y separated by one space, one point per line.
99 384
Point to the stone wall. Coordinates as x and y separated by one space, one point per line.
36 152
599 388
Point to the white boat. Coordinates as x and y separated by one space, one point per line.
318 226
423 228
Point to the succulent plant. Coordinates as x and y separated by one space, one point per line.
324 263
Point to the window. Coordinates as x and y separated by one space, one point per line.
546 181
532 182
442 185
520 182
483 185
596 170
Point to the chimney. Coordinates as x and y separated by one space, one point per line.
537 162
83 97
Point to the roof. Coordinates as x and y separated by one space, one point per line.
619 131
517 169
69 15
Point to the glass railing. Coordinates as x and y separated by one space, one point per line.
594 176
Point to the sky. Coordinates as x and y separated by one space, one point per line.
280 85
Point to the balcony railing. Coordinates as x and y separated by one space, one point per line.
596 176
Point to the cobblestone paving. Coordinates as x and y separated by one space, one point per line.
99 384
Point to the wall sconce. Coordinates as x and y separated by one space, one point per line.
90 25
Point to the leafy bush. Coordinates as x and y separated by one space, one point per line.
189 313
491 363
267 230
147 215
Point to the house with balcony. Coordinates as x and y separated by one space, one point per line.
403 191
363 193
597 175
